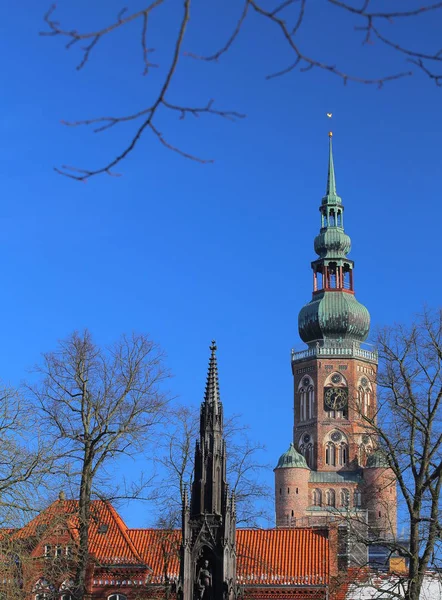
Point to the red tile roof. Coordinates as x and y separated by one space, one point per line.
264 556
282 556
159 550
112 546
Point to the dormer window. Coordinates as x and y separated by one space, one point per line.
48 550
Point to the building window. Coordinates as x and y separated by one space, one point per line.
344 498
358 499
330 497
311 402
330 454
317 498
58 551
343 454
302 405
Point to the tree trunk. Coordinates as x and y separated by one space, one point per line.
84 505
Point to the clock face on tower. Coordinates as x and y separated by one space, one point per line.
335 398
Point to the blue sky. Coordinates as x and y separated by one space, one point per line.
190 252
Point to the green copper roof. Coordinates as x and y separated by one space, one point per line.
333 477
332 242
291 458
377 459
333 315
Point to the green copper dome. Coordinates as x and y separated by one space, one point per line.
377 460
332 242
291 459
333 315
333 312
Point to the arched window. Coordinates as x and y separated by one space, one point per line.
361 400
317 498
344 498
330 497
309 455
306 398
357 498
330 454
303 404
44 590
117 597
367 403
343 454
311 402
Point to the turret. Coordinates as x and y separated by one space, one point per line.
291 487
380 495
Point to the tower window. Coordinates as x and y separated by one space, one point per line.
344 498
317 497
330 454
288 490
330 497
343 454
293 514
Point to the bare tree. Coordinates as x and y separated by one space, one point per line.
407 432
244 468
25 461
287 18
98 404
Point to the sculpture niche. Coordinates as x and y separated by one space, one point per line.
203 584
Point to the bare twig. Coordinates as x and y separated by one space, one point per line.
287 22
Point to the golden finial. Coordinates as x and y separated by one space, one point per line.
329 115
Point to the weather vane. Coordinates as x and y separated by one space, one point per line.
330 133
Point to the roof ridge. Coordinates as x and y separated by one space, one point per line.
123 529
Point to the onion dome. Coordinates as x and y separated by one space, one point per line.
333 313
335 317
332 242
291 459
377 460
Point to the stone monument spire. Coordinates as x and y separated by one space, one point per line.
208 555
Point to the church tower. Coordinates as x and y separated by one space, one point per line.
334 387
208 557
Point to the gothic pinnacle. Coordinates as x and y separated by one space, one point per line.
212 387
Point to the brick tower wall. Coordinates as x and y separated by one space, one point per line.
379 497
291 494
